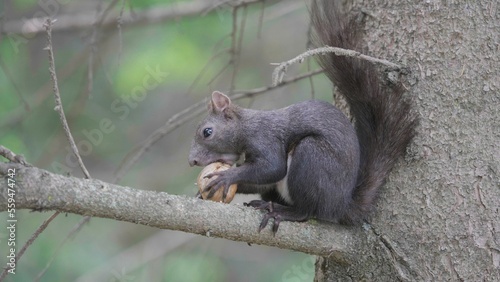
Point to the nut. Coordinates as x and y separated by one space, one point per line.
202 182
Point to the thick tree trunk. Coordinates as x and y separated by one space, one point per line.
438 217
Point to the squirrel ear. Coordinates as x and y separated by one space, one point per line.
219 102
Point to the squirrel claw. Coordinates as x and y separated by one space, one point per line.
260 205
277 219
277 212
212 192
269 206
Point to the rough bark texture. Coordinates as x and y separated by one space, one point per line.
438 216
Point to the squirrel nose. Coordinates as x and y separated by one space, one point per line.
193 162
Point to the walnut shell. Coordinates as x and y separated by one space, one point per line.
202 182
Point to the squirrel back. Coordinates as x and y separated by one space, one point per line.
384 122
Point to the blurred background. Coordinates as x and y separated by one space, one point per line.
125 68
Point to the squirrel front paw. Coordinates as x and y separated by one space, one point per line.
211 179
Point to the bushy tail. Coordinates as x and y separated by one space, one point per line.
383 120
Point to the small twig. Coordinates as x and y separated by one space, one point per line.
11 156
119 22
90 65
216 47
204 69
106 12
174 122
214 6
37 233
222 70
236 42
99 19
242 27
234 48
73 231
257 91
20 114
261 19
59 108
279 72
158 245
93 48
19 93
309 44
28 243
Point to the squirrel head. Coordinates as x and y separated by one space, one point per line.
216 138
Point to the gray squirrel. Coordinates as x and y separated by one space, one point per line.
307 160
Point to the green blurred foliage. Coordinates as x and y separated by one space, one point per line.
121 66
24 4
180 266
151 3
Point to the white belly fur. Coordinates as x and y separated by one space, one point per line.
282 185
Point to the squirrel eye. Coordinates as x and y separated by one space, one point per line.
207 132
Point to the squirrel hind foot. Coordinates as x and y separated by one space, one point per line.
278 213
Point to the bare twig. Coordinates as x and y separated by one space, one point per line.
152 248
219 73
261 19
214 6
19 114
119 21
90 64
174 122
99 19
309 44
11 156
59 108
28 243
240 41
234 49
280 71
72 233
204 69
257 91
106 12
9 75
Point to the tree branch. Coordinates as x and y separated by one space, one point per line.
280 71
81 21
38 189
